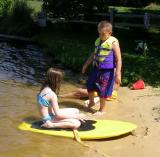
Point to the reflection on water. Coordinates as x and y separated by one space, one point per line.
18 67
24 64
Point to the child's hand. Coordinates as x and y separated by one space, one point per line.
81 117
88 62
118 78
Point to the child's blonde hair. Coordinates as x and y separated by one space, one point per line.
105 24
54 79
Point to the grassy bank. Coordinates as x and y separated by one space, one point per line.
71 48
18 17
72 44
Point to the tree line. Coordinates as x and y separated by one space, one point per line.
71 8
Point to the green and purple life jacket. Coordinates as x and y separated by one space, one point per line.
104 55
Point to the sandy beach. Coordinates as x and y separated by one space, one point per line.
141 107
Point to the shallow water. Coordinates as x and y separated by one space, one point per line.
21 70
16 106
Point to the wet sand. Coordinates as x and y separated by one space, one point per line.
18 103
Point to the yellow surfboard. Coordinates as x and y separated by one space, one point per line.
92 129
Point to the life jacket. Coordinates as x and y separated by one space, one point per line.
104 56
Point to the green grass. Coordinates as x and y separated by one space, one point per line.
122 9
36 5
151 8
71 48
12 21
65 47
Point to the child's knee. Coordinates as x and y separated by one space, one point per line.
74 111
76 124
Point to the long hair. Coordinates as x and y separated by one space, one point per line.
53 80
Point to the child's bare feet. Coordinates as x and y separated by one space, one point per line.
90 105
96 102
89 108
48 124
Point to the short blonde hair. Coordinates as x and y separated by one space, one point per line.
105 24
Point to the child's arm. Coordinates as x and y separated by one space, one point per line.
88 61
117 53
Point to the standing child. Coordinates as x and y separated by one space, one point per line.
106 58
52 115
